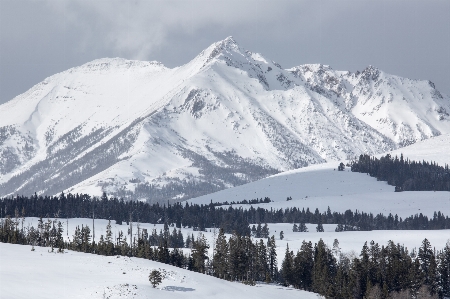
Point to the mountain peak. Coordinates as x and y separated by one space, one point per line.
227 45
370 73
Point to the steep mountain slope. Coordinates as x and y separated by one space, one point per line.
228 117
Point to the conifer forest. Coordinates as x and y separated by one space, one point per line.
389 271
248 255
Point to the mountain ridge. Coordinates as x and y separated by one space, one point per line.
229 116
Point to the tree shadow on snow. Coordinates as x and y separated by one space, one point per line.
177 289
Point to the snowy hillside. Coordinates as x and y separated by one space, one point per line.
322 186
81 275
435 149
228 117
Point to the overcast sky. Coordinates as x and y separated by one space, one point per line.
39 38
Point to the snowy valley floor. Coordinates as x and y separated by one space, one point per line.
40 274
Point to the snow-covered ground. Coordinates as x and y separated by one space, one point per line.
353 241
322 186
435 149
40 274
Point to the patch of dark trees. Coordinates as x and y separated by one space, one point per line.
243 202
200 217
389 271
379 272
404 174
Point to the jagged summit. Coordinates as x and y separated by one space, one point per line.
227 47
370 73
230 116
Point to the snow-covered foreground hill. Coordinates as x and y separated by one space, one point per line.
40 274
228 117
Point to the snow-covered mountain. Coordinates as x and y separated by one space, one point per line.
228 117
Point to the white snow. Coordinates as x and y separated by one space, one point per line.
40 274
226 100
435 149
322 186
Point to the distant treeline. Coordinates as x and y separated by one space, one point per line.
405 175
242 202
380 272
199 217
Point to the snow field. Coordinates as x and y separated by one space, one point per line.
321 186
351 242
40 274
435 149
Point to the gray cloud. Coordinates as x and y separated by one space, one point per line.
41 37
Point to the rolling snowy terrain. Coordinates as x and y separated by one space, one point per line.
43 274
322 186
318 186
40 274
230 116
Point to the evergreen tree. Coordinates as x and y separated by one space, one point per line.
109 245
302 228
259 232
262 270
303 266
265 231
319 228
287 267
427 261
272 258
220 259
155 278
323 269
444 270
59 237
415 277
163 255
200 253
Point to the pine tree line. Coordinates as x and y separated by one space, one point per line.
200 217
405 175
243 202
